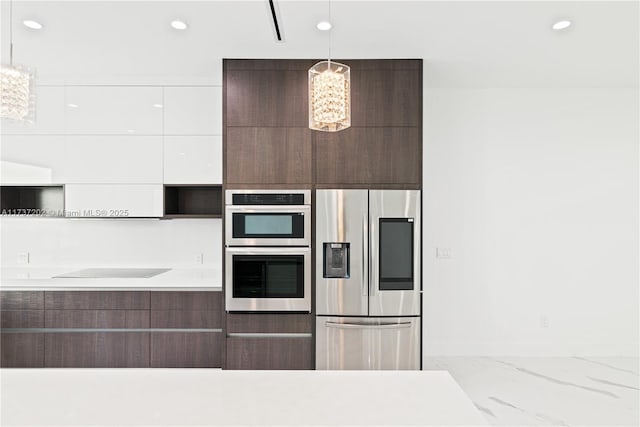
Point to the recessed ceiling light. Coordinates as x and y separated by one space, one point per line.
157 105
561 25
34 25
72 105
179 25
324 25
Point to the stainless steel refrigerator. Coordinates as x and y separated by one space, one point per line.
368 279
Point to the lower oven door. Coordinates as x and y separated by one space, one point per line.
268 279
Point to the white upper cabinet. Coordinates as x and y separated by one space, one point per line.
113 200
28 159
113 159
61 159
49 116
193 110
193 159
108 110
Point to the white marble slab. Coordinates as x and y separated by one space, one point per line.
547 391
214 397
31 279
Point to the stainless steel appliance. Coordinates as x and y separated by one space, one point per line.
268 250
368 279
268 279
268 218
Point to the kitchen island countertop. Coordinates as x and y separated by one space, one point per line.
214 397
42 279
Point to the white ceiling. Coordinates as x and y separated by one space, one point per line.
467 44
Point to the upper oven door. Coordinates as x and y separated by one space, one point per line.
268 225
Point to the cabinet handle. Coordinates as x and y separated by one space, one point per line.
268 335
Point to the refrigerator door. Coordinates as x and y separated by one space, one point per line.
341 244
384 343
395 253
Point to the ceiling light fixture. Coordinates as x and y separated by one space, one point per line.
157 105
34 25
324 25
561 25
17 95
70 105
329 94
179 25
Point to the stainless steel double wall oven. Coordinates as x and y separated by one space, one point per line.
268 250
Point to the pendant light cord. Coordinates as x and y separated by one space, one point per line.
330 31
11 33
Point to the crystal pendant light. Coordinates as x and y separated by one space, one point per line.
17 97
329 94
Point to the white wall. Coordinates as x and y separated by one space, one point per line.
112 242
536 192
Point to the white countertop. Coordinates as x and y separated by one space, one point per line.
41 278
215 397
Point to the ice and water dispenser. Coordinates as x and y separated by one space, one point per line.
336 261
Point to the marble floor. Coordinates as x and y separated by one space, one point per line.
576 391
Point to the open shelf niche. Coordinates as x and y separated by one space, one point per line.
193 201
32 200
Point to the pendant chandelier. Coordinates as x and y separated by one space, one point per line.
17 97
329 94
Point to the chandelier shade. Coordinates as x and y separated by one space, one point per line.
17 97
329 96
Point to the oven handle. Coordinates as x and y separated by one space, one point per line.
252 250
303 209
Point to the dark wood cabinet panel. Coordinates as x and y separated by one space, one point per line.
96 300
21 300
186 349
97 319
21 350
267 98
174 300
258 155
97 350
22 319
384 98
369 156
269 323
194 319
268 64
269 353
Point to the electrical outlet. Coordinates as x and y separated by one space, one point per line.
544 321
200 258
23 258
444 253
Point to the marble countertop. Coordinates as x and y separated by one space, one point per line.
41 278
215 397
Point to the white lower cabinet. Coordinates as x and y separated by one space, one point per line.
193 159
113 200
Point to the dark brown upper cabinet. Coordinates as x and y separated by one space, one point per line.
262 155
267 140
369 156
267 97
382 97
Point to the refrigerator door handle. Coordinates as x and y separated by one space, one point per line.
365 326
365 261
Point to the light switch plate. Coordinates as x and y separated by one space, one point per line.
23 258
443 253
